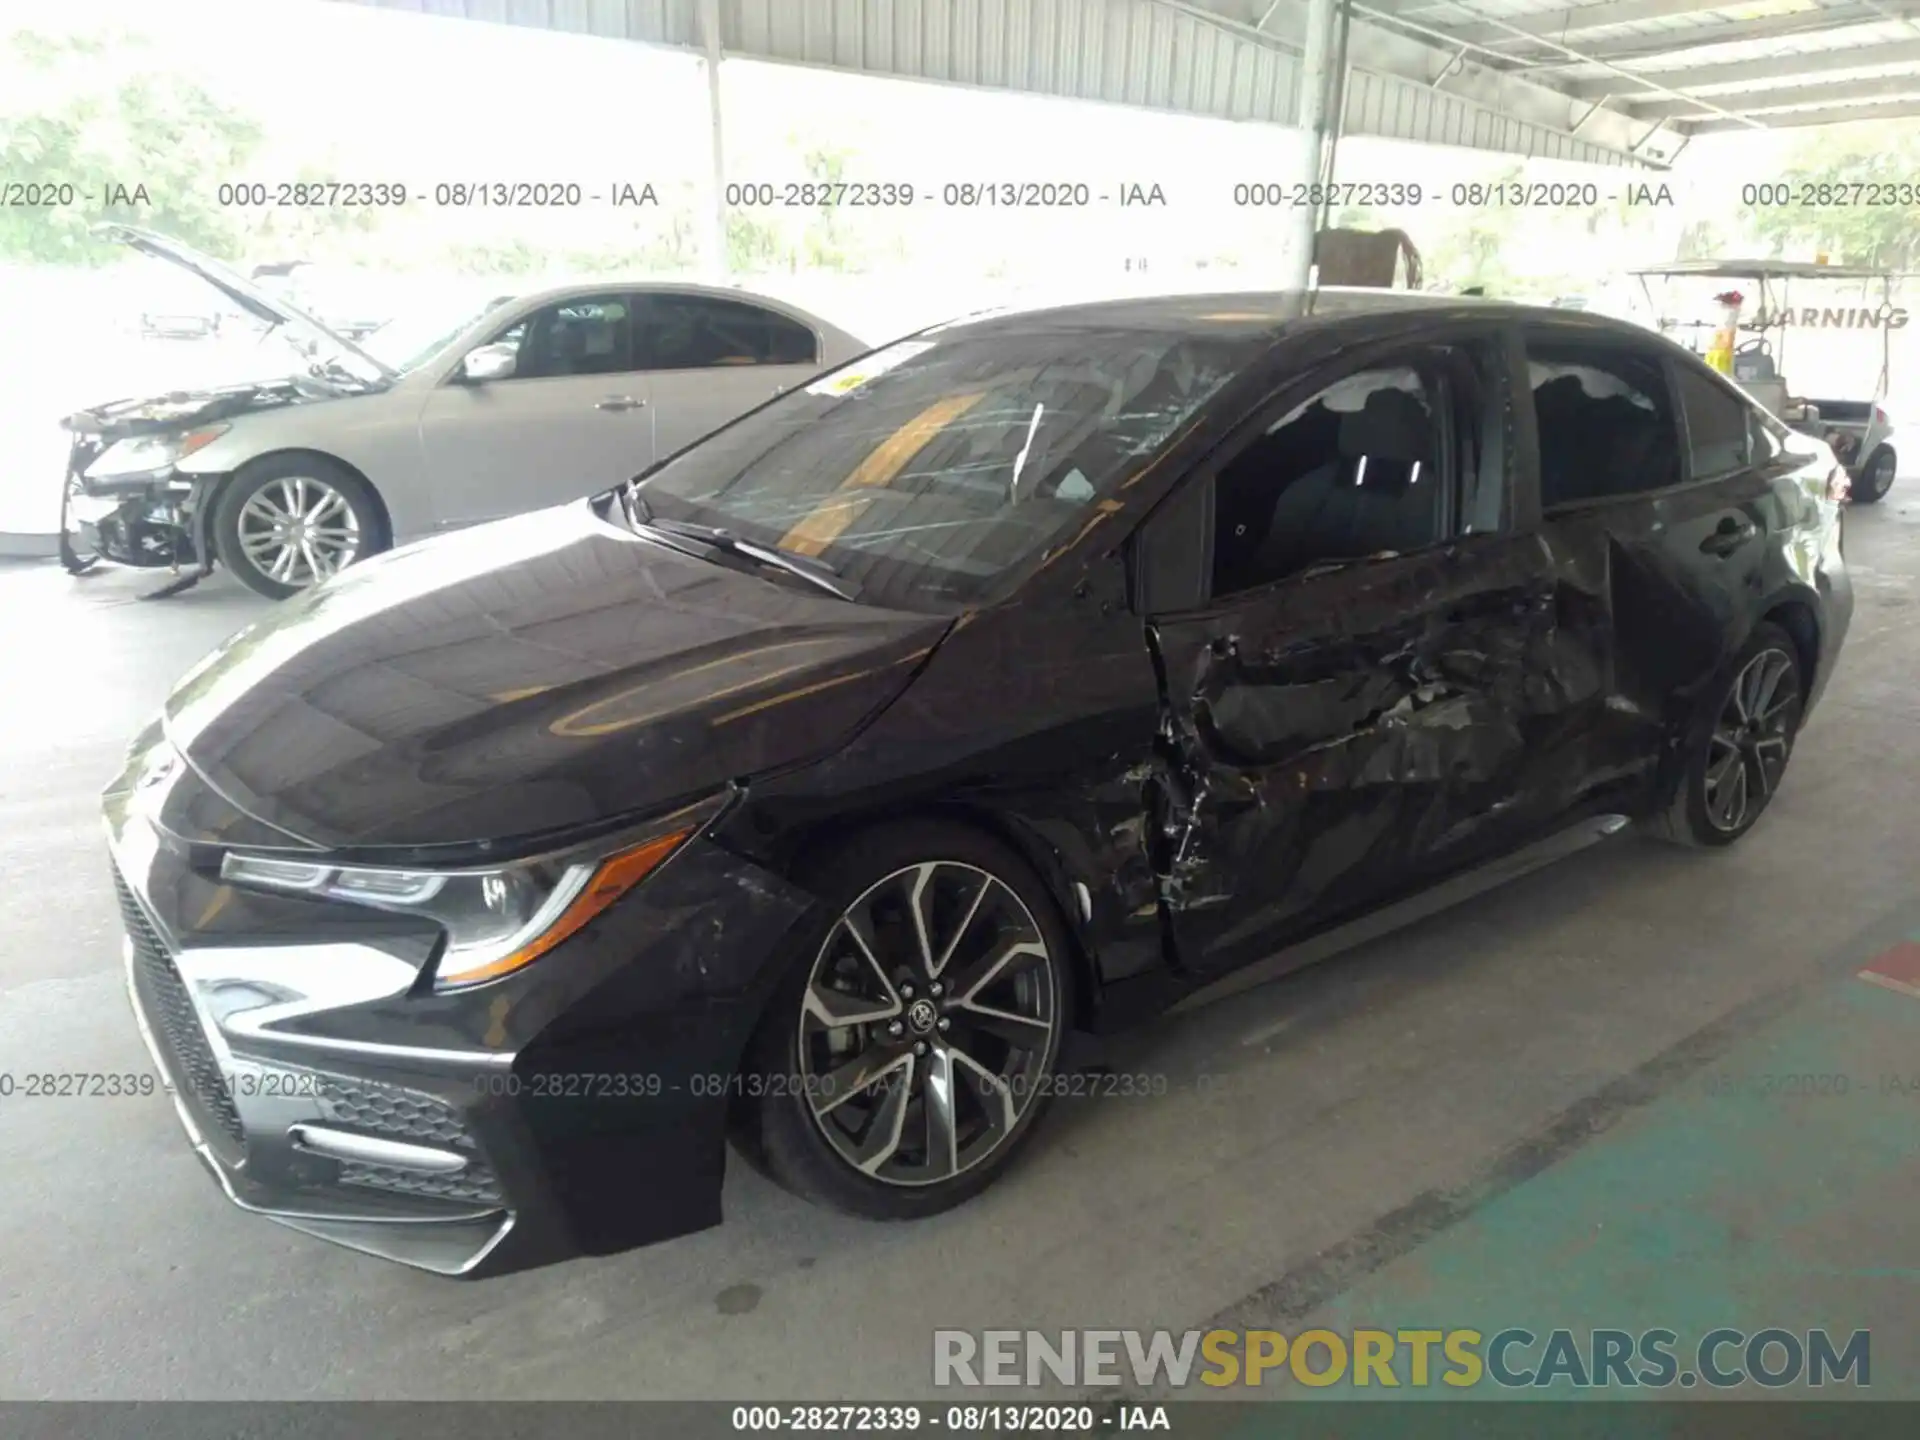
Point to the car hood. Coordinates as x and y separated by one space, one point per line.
186 409
259 303
526 677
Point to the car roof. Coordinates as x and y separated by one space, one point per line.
601 284
597 284
1244 313
1237 315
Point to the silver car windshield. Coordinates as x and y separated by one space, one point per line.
935 472
408 341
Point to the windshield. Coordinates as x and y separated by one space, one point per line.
411 339
930 473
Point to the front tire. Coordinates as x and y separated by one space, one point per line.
1876 476
913 1043
1739 751
288 522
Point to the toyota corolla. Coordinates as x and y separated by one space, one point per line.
1013 681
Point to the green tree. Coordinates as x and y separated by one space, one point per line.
671 239
1701 240
493 257
306 232
824 243
1466 252
1862 165
753 245
146 148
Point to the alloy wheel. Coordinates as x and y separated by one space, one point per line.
929 1024
1747 752
299 530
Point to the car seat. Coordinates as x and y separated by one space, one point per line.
1359 502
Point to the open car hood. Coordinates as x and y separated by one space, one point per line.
273 309
185 409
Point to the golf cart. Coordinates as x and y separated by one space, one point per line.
1748 341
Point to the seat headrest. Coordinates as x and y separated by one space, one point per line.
1393 425
1561 390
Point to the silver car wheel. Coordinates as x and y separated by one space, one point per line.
929 1025
299 530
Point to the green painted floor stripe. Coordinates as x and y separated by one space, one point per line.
1778 1187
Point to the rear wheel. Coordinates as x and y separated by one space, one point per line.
286 523
911 1047
1876 476
1739 754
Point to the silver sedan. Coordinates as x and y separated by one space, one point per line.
521 403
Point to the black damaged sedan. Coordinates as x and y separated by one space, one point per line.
1018 679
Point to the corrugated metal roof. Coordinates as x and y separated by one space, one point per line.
1511 75
1194 56
1724 51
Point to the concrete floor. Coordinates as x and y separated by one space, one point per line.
1359 1117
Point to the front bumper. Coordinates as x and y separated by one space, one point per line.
392 1169
161 484
578 1107
144 518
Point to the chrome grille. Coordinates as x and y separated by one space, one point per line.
173 1020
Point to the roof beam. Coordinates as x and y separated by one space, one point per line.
1746 102
1747 72
1379 47
1646 83
1558 25
1833 115
1687 42
1228 70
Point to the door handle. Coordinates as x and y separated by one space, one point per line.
619 402
1728 536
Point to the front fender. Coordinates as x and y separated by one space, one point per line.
370 434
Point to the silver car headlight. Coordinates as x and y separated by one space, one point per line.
138 454
497 919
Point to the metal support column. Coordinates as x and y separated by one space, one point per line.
714 251
1316 66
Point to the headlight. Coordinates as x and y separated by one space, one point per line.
138 454
497 920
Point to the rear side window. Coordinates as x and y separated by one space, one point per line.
1606 426
1718 433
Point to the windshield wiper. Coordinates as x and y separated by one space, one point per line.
818 572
